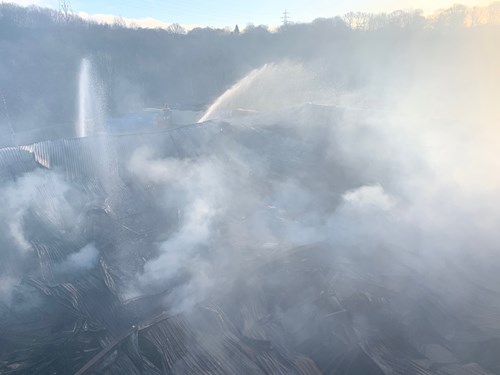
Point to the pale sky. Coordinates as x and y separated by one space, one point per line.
220 13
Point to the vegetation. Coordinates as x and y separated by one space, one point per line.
41 49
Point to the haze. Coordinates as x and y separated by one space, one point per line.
286 197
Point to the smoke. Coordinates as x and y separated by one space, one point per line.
397 177
363 180
38 204
83 260
45 194
7 285
194 191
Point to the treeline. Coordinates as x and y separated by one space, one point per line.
41 50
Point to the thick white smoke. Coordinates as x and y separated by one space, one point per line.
393 179
405 165
44 193
39 199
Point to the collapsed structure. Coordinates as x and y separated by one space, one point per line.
268 308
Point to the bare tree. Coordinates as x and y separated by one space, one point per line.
119 22
453 17
175 28
358 20
65 10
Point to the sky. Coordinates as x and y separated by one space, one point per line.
221 13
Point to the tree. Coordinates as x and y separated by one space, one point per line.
119 21
175 28
453 17
236 30
65 10
357 20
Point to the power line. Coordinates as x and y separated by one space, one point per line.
285 18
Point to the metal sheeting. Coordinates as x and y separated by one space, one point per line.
308 310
